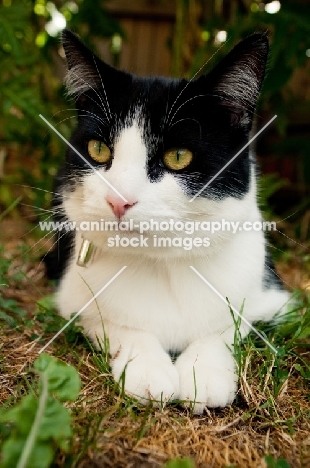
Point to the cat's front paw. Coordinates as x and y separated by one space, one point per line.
147 377
206 379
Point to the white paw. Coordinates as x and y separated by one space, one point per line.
207 379
147 376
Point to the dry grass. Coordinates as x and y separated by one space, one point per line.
111 430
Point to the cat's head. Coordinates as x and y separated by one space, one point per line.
155 143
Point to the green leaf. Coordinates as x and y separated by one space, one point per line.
63 380
276 463
10 320
56 422
40 424
47 303
41 456
180 463
305 373
22 415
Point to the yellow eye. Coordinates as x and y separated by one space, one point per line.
99 151
177 159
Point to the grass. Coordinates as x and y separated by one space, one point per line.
268 425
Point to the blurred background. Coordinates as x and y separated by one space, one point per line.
152 37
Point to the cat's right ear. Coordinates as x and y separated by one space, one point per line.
238 78
85 70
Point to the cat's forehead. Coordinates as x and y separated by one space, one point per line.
128 93
143 102
141 92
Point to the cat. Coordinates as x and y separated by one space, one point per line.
146 149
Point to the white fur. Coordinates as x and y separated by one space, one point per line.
158 304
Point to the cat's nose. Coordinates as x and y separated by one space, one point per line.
119 206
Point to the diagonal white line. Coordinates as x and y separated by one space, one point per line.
83 308
233 158
235 310
82 157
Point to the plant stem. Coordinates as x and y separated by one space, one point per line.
22 462
10 208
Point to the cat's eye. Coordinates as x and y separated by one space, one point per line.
177 159
99 152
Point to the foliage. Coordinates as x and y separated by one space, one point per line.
21 77
41 424
273 463
27 88
30 57
288 49
198 47
179 463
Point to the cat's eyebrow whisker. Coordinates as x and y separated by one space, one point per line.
187 118
64 110
100 107
183 104
197 72
82 115
91 99
76 114
97 93
167 104
74 117
99 134
103 87
95 116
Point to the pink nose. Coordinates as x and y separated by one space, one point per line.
119 206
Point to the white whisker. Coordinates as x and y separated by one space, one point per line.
197 73
105 94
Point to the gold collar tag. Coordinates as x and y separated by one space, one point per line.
86 253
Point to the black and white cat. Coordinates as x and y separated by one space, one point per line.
157 142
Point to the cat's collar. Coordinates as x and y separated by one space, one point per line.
86 253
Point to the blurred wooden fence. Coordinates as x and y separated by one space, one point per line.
148 25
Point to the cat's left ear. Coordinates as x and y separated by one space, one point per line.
238 78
